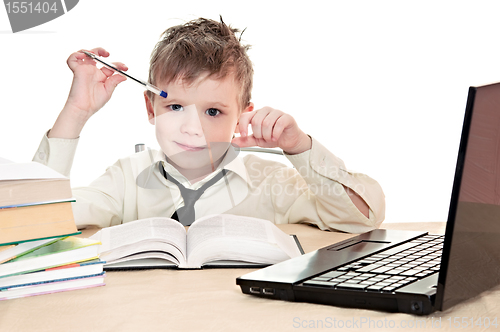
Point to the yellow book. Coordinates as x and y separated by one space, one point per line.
18 224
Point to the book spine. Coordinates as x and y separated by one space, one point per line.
37 203
92 262
50 291
62 237
51 281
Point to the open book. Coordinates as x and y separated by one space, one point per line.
215 240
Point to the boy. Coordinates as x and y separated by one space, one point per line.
208 77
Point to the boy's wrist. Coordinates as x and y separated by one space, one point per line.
69 123
304 144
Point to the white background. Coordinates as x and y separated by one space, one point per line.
382 84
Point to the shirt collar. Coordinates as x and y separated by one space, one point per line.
235 165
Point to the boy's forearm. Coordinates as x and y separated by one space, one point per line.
358 202
319 166
69 123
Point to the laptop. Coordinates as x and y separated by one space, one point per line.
406 271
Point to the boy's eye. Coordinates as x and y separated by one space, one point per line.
212 112
176 107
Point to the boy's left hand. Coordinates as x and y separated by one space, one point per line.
272 128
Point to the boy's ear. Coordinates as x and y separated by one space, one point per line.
249 108
149 108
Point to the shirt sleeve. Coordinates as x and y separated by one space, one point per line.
100 203
57 153
324 201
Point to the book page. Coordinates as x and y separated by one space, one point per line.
145 248
226 225
144 263
238 238
24 171
5 161
166 230
160 259
285 242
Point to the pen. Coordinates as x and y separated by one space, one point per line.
148 86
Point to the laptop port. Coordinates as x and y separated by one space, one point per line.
268 291
255 290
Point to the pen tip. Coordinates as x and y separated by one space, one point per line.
163 94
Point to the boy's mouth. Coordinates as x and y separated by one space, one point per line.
189 147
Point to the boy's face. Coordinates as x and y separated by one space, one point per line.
196 122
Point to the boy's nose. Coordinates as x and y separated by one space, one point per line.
191 123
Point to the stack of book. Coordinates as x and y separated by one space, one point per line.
39 253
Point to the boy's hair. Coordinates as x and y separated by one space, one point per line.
202 46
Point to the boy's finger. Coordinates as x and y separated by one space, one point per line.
268 124
244 121
78 58
279 127
113 81
97 51
100 52
244 142
108 72
78 55
257 121
121 66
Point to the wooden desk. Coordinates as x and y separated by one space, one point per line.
209 300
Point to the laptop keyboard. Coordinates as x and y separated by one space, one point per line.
388 270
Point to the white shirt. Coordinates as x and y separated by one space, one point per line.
312 192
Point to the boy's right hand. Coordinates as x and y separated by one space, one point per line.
91 89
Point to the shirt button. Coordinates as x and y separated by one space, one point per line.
41 155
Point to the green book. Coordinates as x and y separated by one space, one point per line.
8 253
64 251
38 239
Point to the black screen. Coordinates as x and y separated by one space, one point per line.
471 255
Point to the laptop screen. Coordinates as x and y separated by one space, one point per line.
471 252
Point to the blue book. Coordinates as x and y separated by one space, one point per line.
61 273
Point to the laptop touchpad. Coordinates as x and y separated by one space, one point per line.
356 246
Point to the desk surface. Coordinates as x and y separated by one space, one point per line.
210 300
